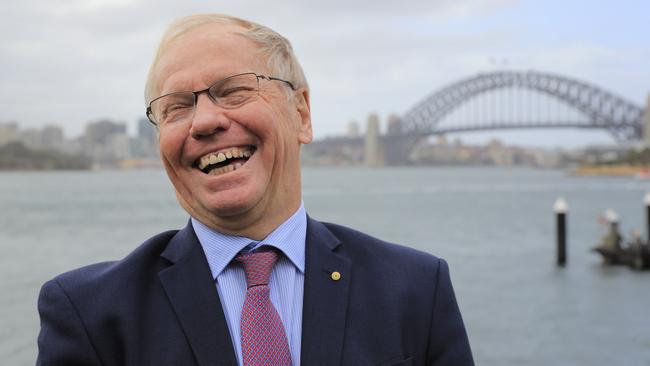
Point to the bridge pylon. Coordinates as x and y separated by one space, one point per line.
374 151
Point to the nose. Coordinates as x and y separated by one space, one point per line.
208 118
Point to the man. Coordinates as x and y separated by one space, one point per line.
251 280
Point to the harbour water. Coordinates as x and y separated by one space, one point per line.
494 226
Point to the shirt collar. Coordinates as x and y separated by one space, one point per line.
220 249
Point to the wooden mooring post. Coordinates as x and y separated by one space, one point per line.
561 208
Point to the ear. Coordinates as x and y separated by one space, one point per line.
305 134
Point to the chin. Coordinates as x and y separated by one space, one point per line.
230 203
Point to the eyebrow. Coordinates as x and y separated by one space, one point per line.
208 80
177 86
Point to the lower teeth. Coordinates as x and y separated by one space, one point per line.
225 169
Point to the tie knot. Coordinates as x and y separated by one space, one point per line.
258 266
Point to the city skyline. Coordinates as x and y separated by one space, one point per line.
105 144
359 58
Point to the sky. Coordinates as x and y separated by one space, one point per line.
69 62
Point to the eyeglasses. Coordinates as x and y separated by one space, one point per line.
229 93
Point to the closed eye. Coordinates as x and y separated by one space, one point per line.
234 91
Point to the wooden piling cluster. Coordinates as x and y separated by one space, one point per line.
612 246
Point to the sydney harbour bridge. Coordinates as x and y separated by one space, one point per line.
500 100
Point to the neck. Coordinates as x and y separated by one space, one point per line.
255 224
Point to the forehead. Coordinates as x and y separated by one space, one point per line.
205 54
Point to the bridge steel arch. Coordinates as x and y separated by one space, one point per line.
623 119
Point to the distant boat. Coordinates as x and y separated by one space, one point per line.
635 255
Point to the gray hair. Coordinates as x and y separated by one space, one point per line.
278 51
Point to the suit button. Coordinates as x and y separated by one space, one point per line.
336 276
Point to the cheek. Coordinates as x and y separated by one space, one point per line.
170 145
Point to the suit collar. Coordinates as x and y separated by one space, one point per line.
325 300
221 248
181 244
192 293
193 296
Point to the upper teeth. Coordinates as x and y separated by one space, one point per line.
214 158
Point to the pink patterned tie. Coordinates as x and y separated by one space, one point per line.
263 341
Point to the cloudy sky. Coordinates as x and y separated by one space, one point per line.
73 61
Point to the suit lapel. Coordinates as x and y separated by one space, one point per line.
191 290
325 299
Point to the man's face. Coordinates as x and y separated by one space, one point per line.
251 194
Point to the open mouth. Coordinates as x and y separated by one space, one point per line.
224 161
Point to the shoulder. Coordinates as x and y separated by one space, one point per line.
385 256
359 241
99 277
413 285
84 311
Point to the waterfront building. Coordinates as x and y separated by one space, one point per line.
106 142
8 132
353 129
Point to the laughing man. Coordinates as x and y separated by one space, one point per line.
251 280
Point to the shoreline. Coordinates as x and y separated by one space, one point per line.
638 171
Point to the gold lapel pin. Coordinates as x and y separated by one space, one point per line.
335 276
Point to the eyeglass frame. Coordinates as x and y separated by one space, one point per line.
149 111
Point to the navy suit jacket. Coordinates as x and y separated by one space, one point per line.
159 306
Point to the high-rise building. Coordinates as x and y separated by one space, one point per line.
147 131
106 142
99 132
32 138
52 137
8 132
353 129
145 145
394 125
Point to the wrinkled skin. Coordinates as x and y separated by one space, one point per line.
254 199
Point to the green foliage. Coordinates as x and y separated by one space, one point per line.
636 157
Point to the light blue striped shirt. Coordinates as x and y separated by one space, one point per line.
286 283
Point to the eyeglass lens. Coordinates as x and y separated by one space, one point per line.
229 93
